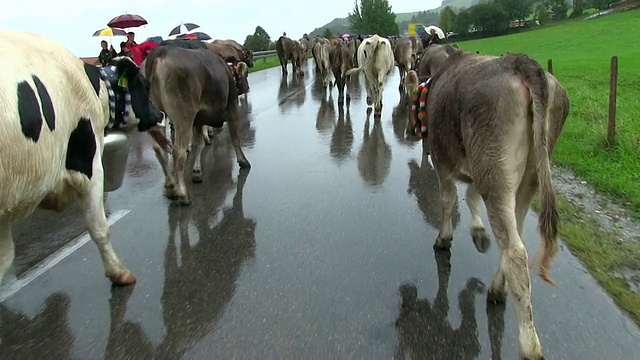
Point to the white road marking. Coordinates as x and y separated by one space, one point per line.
54 259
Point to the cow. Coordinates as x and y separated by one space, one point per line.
404 55
320 52
306 45
194 87
410 85
375 57
290 50
232 51
240 73
55 109
493 123
341 60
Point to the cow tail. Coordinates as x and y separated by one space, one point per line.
538 84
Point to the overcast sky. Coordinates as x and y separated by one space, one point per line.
72 22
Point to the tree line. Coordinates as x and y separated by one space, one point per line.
486 18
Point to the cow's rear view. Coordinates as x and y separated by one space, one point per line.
493 123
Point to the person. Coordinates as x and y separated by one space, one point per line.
431 38
131 38
106 55
360 37
124 51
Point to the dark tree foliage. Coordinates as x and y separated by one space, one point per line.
373 17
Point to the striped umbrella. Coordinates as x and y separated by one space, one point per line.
108 31
183 28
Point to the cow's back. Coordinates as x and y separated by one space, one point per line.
45 92
200 78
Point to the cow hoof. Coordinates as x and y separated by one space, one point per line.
369 102
443 243
244 164
369 111
496 296
170 193
182 201
480 239
123 279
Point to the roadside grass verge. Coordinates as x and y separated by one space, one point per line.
602 254
581 53
269 62
264 63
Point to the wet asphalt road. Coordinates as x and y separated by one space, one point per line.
304 256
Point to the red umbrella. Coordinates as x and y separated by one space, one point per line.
127 21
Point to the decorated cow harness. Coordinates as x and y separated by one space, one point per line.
419 109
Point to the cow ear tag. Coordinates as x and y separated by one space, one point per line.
123 81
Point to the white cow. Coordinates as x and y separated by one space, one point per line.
52 119
375 57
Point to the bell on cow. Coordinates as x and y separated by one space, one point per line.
114 160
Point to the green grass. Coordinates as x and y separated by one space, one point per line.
264 63
268 62
601 253
581 53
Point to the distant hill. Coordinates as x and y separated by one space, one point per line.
341 25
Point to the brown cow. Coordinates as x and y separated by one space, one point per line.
320 52
194 87
342 60
404 55
232 51
493 123
290 50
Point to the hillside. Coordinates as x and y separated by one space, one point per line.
341 25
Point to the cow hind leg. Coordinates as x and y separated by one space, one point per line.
96 220
478 232
184 133
163 158
513 269
7 250
234 133
198 139
448 197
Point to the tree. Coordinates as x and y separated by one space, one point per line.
259 41
462 22
446 19
373 17
490 18
516 9
327 33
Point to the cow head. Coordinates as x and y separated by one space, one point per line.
139 89
242 80
247 57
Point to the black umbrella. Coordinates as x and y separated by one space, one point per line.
183 28
194 36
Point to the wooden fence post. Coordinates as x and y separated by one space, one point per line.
613 89
550 66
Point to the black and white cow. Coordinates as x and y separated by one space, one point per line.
54 109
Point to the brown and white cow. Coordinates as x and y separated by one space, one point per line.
290 50
493 123
54 112
194 87
375 58
320 51
341 60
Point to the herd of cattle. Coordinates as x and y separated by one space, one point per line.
492 123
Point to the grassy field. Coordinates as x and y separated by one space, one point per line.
265 63
581 53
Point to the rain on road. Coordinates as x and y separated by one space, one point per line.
308 255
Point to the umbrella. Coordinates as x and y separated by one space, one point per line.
183 28
108 31
127 21
439 31
195 36
155 39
